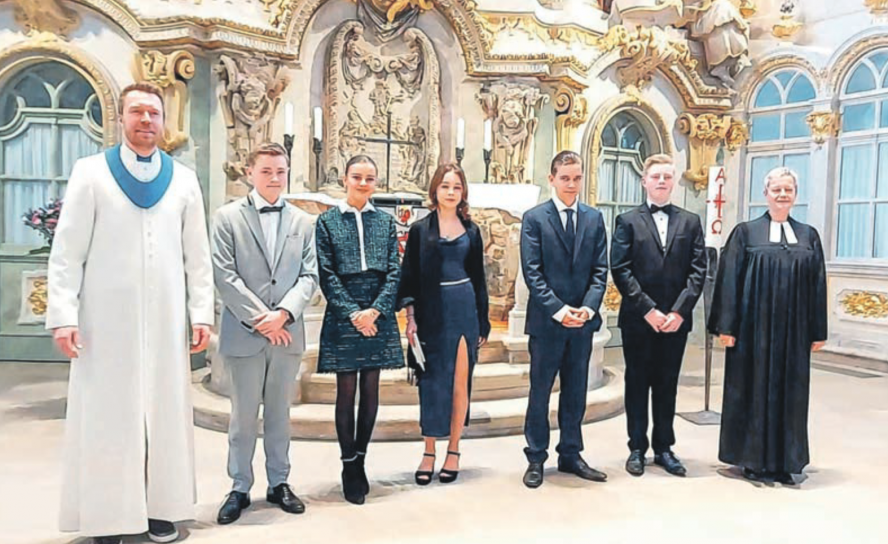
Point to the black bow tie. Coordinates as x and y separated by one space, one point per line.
271 209
140 158
665 209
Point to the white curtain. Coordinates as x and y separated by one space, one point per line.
32 155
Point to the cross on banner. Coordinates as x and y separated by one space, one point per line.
389 141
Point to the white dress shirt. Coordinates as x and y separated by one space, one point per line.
661 219
774 235
344 207
142 171
271 222
562 213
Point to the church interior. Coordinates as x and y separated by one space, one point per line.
730 88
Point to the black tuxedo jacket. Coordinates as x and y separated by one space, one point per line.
648 276
556 275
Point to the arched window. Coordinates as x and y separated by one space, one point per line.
50 116
862 196
625 146
779 136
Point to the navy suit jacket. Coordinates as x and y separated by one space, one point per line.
556 276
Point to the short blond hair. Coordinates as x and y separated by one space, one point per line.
653 160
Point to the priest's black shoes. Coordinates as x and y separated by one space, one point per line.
162 531
106 540
579 468
231 509
784 478
752 475
635 463
533 477
282 495
670 462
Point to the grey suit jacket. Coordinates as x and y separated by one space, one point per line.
250 281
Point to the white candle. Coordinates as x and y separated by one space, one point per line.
318 123
288 118
488 135
461 134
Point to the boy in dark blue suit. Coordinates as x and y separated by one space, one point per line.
564 261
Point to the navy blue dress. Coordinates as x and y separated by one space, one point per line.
459 319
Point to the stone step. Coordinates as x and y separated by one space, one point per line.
314 421
492 381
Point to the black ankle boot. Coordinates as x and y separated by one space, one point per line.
351 481
365 483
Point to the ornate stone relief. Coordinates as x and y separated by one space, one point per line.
705 133
513 110
879 8
34 295
824 125
170 72
737 135
643 51
374 96
45 17
249 97
865 304
717 25
571 111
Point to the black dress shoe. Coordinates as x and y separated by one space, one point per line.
635 463
670 462
284 496
579 468
162 531
752 475
106 540
231 509
784 478
533 477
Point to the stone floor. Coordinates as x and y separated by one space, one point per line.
844 498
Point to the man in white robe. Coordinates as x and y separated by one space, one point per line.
131 242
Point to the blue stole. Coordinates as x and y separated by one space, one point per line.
142 194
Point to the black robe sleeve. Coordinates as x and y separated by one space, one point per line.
726 300
409 287
820 317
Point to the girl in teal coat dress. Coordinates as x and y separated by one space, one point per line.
359 269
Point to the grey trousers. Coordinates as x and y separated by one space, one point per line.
265 378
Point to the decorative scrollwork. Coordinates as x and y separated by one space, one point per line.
865 304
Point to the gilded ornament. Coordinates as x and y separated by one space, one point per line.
571 111
823 124
705 133
865 304
643 51
169 72
612 297
879 8
48 18
38 297
737 135
747 9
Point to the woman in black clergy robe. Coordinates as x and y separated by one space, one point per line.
769 310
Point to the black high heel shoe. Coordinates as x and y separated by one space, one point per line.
448 476
424 477
351 481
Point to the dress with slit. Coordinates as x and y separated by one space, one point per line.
459 319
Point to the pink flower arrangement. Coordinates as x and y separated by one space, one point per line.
45 219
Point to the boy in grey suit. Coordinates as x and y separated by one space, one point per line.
266 273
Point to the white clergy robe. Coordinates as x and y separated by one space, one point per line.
121 273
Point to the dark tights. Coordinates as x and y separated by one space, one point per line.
350 441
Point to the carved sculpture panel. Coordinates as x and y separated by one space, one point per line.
643 51
383 104
249 96
170 72
824 125
513 109
45 17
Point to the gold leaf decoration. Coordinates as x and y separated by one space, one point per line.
865 304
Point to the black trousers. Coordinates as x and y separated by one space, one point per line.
653 364
566 354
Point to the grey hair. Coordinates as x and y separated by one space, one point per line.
781 172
